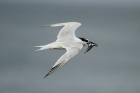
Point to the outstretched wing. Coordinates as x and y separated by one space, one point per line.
71 52
68 31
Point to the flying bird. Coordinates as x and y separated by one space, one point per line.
67 40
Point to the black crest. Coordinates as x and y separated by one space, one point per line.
83 39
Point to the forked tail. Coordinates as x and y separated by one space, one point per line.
44 47
48 46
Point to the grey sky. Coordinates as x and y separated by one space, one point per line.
133 3
113 67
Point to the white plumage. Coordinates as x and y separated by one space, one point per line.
67 40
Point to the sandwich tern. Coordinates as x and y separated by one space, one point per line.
67 40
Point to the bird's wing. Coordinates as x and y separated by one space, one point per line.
68 31
71 52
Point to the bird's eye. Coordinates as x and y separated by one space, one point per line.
87 40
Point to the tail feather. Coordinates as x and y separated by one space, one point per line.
41 48
48 46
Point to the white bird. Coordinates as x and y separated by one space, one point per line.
67 40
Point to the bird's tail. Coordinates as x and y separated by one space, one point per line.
48 46
43 47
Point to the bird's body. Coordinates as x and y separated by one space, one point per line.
67 40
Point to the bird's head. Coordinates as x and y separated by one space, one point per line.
89 43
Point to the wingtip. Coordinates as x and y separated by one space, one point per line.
46 75
46 26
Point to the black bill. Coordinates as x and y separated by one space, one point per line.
90 46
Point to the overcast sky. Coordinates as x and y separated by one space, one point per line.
113 67
133 3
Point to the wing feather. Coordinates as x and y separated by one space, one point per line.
71 52
68 31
